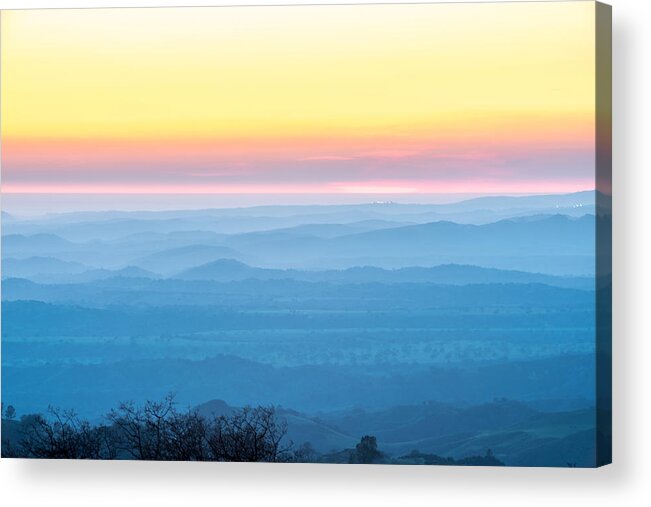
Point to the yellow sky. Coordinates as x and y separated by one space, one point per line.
280 71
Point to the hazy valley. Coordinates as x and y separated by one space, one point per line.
448 329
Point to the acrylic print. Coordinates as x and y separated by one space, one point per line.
370 234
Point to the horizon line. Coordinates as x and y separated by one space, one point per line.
461 197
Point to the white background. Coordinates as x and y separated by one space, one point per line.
626 482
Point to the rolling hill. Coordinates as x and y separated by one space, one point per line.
450 274
34 266
175 259
512 430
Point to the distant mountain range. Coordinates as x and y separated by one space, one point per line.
34 243
35 266
419 324
551 244
52 270
449 274
170 261
81 226
554 244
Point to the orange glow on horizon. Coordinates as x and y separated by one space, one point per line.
368 187
499 96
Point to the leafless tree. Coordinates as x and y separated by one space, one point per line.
62 435
143 432
251 434
188 435
156 430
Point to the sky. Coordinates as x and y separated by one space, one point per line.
340 100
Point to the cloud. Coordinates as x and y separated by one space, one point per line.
326 157
395 153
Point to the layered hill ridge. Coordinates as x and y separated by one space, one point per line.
444 329
514 431
447 274
550 244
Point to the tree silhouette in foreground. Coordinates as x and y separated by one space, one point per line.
154 431
366 451
157 430
62 435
